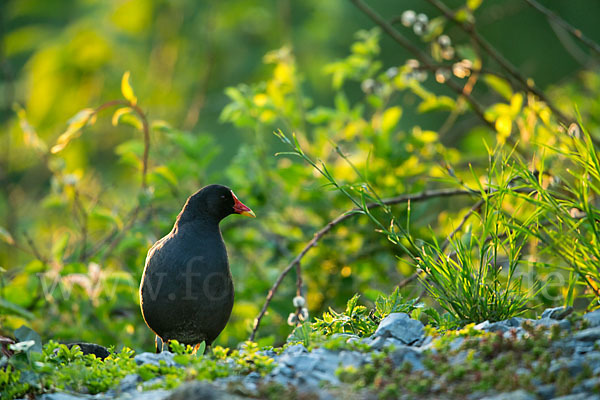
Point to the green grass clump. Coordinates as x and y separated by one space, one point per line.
58 368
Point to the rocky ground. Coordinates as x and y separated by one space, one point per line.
554 357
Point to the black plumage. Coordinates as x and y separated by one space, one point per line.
186 292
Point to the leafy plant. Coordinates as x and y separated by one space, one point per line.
359 320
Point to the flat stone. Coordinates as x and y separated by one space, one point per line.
200 390
515 395
593 318
546 391
587 335
129 382
401 327
500 326
557 313
375 342
63 396
300 362
295 349
159 394
352 358
155 359
579 396
407 354
549 322
573 365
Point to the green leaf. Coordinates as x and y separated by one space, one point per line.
166 174
499 85
73 131
390 118
119 113
6 236
127 90
201 348
437 103
473 4
9 308
25 333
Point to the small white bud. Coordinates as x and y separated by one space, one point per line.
299 301
408 18
421 76
444 40
442 75
303 316
422 18
367 85
70 179
412 63
292 319
574 131
448 53
391 72
419 28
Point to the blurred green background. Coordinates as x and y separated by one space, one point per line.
72 255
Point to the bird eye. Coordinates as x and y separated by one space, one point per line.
223 196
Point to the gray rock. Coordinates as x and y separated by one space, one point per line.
573 365
557 313
63 396
200 390
155 359
352 358
593 359
407 354
580 396
546 391
401 327
159 394
375 342
301 362
515 395
129 383
588 335
593 318
588 385
501 326
91 348
549 322
295 349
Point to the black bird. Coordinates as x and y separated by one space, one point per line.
186 292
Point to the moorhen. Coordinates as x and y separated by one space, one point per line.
186 292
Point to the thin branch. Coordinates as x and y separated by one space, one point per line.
473 209
34 249
422 57
82 222
553 17
341 218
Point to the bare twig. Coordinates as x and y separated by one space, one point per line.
472 210
34 249
82 222
553 17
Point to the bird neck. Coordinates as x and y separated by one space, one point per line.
202 223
